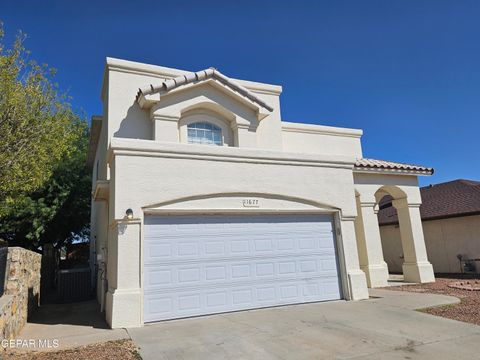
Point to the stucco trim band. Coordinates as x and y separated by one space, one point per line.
158 149
321 130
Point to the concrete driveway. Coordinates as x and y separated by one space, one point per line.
385 327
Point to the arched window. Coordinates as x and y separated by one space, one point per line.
204 133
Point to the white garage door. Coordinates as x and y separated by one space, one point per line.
196 265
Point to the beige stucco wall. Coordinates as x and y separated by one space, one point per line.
146 174
151 179
444 239
289 167
127 119
392 248
368 185
318 139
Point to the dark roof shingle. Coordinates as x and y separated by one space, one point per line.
451 199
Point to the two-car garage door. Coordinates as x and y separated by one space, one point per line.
197 265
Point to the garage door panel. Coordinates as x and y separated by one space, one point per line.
209 264
323 255
227 271
254 231
321 220
167 249
210 301
191 286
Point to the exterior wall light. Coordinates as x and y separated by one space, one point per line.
129 213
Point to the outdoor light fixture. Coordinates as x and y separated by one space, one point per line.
129 213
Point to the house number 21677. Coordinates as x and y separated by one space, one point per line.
250 203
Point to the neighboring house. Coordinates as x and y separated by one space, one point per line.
205 201
451 224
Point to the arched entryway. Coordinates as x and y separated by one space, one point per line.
391 242
414 264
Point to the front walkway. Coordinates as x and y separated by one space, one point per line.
398 280
383 327
72 325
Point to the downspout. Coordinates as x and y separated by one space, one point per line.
103 275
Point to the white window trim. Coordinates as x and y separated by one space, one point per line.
215 132
205 116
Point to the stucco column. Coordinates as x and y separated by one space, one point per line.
124 297
357 283
244 134
165 127
416 267
370 244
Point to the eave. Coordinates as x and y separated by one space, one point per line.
101 191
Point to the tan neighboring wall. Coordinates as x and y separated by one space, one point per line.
22 291
444 239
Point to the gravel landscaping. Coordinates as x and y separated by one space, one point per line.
111 350
468 310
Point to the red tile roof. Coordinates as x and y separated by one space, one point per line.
451 199
210 73
366 164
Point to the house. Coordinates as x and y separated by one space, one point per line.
205 201
451 224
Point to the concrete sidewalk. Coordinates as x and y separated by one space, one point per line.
410 300
383 327
73 325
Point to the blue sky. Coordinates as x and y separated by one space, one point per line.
406 72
